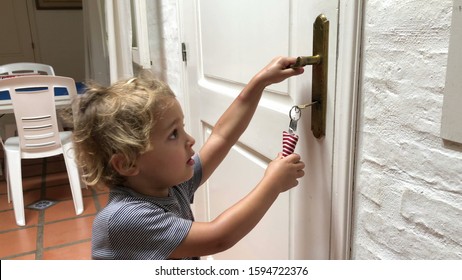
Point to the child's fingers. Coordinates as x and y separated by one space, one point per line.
279 156
295 158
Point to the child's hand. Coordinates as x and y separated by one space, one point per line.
283 172
277 71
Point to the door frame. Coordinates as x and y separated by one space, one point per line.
33 30
345 118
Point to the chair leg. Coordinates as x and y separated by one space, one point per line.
74 177
15 184
8 187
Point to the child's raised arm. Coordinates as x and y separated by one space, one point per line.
237 117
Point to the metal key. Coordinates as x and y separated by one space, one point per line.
294 114
306 105
290 139
292 126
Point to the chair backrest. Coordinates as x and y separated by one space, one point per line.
21 68
35 112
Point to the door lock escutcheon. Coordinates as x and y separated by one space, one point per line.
319 61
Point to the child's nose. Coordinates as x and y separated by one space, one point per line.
191 141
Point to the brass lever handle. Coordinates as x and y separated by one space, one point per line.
303 61
319 60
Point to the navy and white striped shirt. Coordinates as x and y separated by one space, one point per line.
136 226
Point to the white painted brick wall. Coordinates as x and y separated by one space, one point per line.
408 196
165 47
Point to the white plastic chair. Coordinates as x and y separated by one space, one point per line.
38 134
22 68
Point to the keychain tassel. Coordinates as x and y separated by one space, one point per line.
289 141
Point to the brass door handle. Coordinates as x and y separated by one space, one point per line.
303 61
319 60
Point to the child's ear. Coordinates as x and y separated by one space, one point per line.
120 165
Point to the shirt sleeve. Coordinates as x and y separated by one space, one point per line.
155 238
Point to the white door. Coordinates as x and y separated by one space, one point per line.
227 42
16 37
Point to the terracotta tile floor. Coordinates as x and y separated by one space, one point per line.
55 233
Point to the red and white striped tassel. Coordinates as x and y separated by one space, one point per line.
289 141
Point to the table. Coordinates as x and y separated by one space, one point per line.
61 98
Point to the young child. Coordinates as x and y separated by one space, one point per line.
131 138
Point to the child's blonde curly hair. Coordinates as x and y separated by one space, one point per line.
116 120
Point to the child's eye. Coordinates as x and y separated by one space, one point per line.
173 135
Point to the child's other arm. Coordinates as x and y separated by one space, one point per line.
206 238
237 117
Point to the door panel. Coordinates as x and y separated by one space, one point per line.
233 31
223 192
229 42
16 43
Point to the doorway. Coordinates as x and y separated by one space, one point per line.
226 43
17 43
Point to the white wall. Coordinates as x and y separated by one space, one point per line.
408 196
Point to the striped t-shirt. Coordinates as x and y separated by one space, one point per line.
135 226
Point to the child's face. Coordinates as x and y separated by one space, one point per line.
169 162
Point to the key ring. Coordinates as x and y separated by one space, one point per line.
295 113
